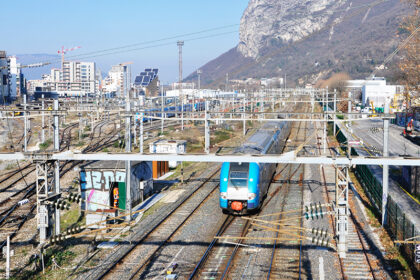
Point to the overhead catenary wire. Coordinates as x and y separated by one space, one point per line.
150 44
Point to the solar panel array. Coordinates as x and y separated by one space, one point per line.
146 77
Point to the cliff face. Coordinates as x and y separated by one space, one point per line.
308 39
275 22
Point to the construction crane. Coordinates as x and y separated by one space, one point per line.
64 51
126 63
33 65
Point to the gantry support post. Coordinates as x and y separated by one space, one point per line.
243 116
56 164
335 110
128 163
42 170
341 208
43 121
25 124
385 167
206 130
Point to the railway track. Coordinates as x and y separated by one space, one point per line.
286 261
360 262
255 255
132 261
14 215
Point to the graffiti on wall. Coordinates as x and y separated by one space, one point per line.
95 187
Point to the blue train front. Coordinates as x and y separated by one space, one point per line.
239 187
243 186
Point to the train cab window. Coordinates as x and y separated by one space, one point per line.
238 179
238 176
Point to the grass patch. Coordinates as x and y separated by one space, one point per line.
70 217
80 144
10 166
45 145
221 135
105 150
152 209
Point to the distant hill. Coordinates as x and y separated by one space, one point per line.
36 73
309 40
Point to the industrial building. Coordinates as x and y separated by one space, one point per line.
102 184
169 147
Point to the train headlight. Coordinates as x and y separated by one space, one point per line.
251 196
251 180
223 195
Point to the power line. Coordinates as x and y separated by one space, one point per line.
403 44
129 48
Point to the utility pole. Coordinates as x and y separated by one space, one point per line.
199 80
335 110
385 167
227 82
243 116
206 130
43 121
325 120
56 164
128 163
161 114
349 111
180 44
25 121
135 125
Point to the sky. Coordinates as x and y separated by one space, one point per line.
44 26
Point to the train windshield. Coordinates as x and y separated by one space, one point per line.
238 179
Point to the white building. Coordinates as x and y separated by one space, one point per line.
33 84
168 147
377 94
358 84
115 80
75 79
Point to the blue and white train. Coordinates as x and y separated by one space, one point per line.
243 186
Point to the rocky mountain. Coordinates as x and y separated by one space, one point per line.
309 39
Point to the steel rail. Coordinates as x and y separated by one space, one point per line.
134 245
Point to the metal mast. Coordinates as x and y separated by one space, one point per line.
180 44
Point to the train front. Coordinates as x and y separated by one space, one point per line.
239 192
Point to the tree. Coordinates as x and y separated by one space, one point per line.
410 62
